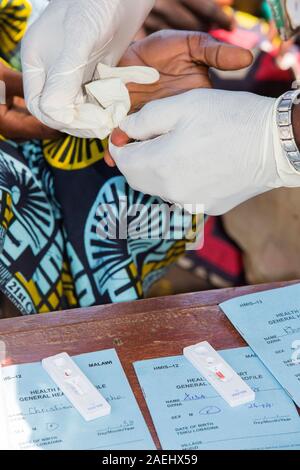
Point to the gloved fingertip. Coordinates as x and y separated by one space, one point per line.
120 155
128 125
114 150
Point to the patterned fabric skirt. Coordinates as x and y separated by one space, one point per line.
52 256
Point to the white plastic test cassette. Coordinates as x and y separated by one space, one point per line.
87 400
219 374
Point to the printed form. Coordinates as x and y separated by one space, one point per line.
270 323
40 417
189 414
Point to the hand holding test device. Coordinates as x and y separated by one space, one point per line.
76 387
219 374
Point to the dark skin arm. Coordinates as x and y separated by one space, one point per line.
16 122
183 59
193 15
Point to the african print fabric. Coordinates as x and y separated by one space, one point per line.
52 256
14 15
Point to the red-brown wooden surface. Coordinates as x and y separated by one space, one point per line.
137 330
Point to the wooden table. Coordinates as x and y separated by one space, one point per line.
137 330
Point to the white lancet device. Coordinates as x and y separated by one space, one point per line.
219 374
87 400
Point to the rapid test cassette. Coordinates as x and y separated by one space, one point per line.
219 374
87 400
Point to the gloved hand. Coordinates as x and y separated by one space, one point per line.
209 147
60 53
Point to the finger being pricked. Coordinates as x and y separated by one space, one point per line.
119 139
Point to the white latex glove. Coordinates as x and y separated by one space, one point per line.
209 147
60 53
